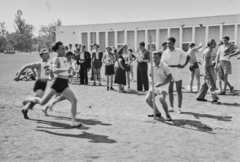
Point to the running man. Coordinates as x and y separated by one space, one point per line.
194 68
209 81
43 71
60 84
176 59
162 78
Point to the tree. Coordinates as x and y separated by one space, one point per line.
19 22
2 29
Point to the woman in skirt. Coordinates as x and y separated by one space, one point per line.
128 60
120 77
109 60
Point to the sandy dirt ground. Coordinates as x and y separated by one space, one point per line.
115 126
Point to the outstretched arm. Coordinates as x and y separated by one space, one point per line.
32 66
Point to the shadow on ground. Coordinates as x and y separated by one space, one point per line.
197 116
94 138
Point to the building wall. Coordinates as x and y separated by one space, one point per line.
134 32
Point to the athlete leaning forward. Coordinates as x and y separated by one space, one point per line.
60 83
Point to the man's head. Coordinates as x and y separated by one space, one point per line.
91 47
83 47
96 46
157 57
69 55
130 50
77 50
220 43
44 54
171 42
192 45
226 39
108 49
164 46
59 48
70 46
141 45
76 45
211 44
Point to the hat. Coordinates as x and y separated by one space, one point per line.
157 53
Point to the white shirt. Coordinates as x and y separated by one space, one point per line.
82 56
160 72
175 57
221 51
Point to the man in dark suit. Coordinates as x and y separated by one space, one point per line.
142 68
84 60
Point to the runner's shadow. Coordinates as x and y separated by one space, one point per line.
94 138
84 121
228 104
190 124
197 116
56 125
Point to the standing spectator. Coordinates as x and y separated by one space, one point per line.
109 60
209 81
97 64
142 68
131 65
128 60
176 59
84 60
120 77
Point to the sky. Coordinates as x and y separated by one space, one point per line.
77 12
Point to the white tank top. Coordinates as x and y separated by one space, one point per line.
63 65
126 58
44 70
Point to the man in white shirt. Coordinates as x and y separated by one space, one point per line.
162 78
224 53
176 59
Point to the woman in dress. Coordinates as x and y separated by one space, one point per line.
109 60
120 77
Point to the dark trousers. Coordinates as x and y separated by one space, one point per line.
83 73
209 82
142 77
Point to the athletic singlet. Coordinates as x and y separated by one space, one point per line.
44 71
127 58
63 65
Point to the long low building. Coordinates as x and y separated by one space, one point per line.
186 30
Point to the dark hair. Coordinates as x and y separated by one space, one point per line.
70 44
191 44
83 46
115 51
210 42
164 43
43 51
76 45
96 45
56 45
68 53
129 49
172 39
226 37
142 44
66 47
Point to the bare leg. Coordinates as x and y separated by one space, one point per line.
226 83
73 100
111 80
128 79
197 73
191 80
179 92
107 81
131 68
162 100
99 75
149 100
94 76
